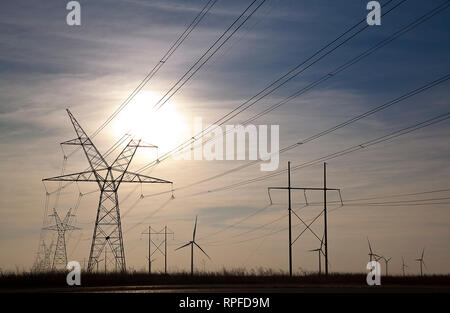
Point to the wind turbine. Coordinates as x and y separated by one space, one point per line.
192 243
386 261
421 261
404 266
319 252
371 254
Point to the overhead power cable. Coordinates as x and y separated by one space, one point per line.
316 136
339 69
226 35
294 72
390 136
181 38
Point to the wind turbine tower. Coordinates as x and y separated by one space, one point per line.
371 254
319 253
192 243
403 266
421 262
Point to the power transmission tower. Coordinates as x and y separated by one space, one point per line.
164 232
290 211
42 262
61 226
107 229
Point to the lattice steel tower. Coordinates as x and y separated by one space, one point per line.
61 226
107 229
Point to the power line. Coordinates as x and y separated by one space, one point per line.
237 223
343 67
352 120
403 131
262 94
184 35
346 203
341 125
200 62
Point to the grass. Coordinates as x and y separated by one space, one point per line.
32 280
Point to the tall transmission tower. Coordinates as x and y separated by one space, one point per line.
107 229
289 188
61 226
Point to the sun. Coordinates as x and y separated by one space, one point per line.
164 128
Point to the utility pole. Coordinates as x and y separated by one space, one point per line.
149 250
164 232
324 189
109 177
325 231
290 213
165 249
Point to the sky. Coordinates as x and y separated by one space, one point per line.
47 66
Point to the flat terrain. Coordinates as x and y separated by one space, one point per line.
224 282
239 289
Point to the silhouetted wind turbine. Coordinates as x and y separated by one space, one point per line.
371 254
386 261
319 252
192 243
404 266
421 261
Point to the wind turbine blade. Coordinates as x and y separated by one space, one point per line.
183 246
370 247
423 251
202 250
424 265
195 229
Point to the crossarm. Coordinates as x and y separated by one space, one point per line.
88 176
130 177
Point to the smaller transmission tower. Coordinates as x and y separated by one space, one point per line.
164 232
42 263
324 189
61 226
